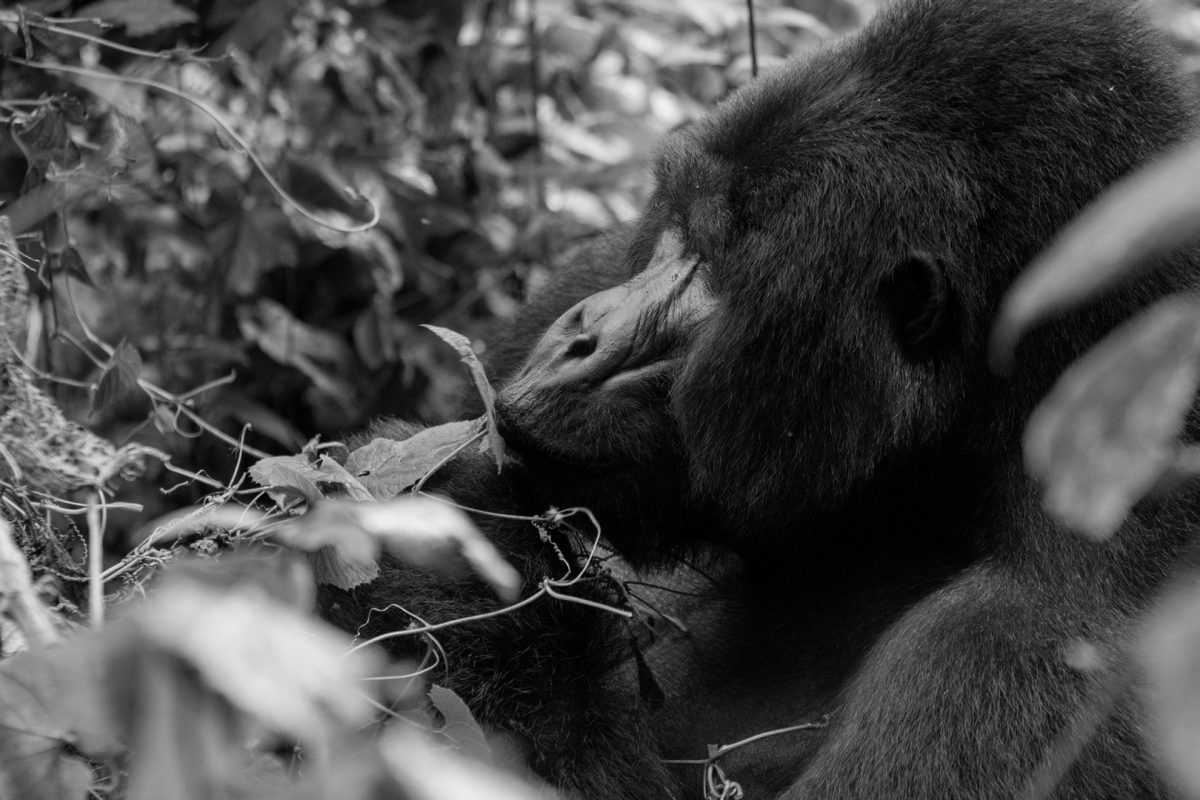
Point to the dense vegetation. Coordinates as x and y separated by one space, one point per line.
226 222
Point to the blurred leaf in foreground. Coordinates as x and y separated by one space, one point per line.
427 772
140 17
54 709
1107 432
277 664
1150 212
427 533
1170 656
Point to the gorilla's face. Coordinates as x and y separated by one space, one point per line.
594 390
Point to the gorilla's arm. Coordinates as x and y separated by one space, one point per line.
549 675
967 695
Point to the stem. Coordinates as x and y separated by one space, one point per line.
96 562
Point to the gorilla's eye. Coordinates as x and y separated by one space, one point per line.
916 297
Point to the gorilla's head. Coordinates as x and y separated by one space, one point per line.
813 279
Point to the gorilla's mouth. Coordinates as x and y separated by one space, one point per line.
550 424
527 443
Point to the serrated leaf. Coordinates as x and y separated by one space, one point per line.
1150 212
387 467
1108 431
333 472
462 345
340 550
312 481
140 17
459 724
292 473
331 567
128 360
119 377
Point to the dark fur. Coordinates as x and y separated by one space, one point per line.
894 563
546 676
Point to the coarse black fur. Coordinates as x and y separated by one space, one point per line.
856 216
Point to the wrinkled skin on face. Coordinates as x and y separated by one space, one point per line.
609 360
626 334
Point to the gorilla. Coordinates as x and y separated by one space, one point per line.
784 357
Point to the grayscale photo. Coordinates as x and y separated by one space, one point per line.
600 400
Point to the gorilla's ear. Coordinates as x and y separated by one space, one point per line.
916 297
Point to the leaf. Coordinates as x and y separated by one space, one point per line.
332 567
291 473
463 345
284 338
323 357
126 99
180 731
21 604
1170 657
1107 432
45 140
433 534
163 419
344 538
140 17
333 472
52 698
387 467
276 663
423 770
1154 210
459 724
119 377
264 240
341 551
375 337
312 481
